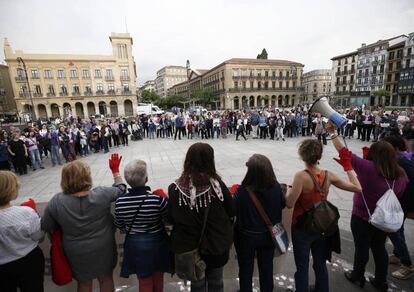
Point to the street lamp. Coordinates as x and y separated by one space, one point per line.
21 62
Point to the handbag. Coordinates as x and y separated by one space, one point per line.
388 215
61 270
323 216
189 265
278 233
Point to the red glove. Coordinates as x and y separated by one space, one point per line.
161 193
365 151
114 162
233 189
345 159
29 203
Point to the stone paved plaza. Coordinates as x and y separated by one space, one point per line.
165 159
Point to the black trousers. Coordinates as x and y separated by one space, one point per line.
366 132
241 133
368 237
25 273
247 247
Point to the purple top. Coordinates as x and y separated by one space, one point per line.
373 186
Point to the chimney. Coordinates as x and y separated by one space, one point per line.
363 44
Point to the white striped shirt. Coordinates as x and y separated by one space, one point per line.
19 232
152 209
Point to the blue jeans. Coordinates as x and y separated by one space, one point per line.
247 246
105 144
55 154
304 243
35 158
400 246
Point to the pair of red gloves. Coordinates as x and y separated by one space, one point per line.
345 159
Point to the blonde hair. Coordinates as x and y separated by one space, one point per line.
9 187
76 177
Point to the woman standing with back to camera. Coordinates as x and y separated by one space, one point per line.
200 195
252 235
377 174
308 187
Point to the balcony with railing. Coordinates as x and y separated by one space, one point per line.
100 92
87 92
37 94
111 92
23 94
86 77
109 78
20 79
50 94
35 77
63 94
75 93
126 91
125 78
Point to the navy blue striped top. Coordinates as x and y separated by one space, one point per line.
150 215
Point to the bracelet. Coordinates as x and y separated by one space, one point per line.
117 176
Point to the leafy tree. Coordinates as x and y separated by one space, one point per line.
380 93
171 101
204 96
150 97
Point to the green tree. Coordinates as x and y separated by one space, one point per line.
263 55
204 96
380 93
171 101
150 96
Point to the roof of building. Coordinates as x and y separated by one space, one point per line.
261 61
344 55
317 72
382 41
397 45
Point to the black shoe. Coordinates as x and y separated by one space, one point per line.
383 287
360 282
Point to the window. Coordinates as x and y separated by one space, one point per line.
88 88
236 84
85 73
75 89
244 84
266 73
51 89
259 85
48 74
109 73
382 68
35 74
280 74
398 65
374 70
273 84
407 63
63 89
366 72
61 74
266 85
98 73
73 73
287 84
99 88
251 84
124 73
38 90
274 73
359 73
408 52
391 65
125 86
111 88
294 84
399 54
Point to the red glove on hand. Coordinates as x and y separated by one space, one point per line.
114 162
345 159
161 193
29 203
233 189
365 151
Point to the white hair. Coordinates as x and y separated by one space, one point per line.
135 173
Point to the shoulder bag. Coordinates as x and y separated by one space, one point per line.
278 233
189 265
323 216
135 216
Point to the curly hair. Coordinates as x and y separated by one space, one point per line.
310 151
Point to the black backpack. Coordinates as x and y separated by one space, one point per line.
323 216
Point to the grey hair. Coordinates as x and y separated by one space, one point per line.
135 173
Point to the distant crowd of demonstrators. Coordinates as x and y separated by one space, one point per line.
206 217
64 141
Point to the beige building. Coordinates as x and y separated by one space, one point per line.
316 83
75 85
344 78
7 102
167 77
241 83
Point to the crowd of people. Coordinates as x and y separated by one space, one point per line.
206 217
66 140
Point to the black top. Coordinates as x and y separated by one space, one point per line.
248 218
187 225
407 200
17 147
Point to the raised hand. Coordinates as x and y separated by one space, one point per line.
114 162
345 159
365 151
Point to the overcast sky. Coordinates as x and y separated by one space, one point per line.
207 32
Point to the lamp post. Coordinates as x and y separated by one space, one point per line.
20 63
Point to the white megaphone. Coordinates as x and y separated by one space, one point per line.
321 105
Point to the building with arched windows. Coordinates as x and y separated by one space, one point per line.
246 83
75 85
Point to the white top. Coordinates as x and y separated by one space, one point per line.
19 232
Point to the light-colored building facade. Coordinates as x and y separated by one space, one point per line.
343 78
7 102
76 85
371 70
393 68
316 83
148 85
167 77
246 83
406 78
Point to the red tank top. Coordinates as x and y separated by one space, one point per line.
307 200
